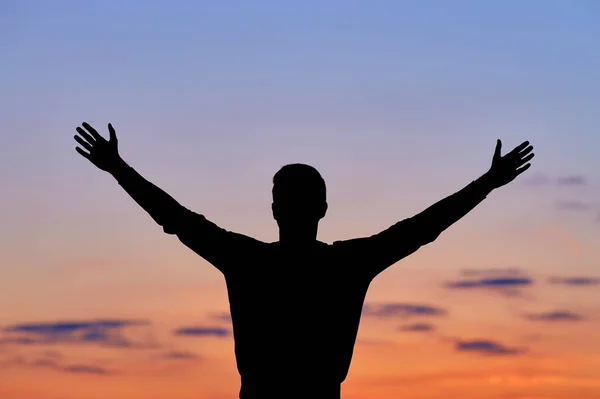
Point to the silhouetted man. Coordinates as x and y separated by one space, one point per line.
296 303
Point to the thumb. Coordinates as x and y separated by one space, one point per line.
111 131
498 149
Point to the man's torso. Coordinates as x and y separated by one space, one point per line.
295 313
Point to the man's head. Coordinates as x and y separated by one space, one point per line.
299 195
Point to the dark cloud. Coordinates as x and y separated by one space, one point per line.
573 205
486 347
557 315
67 327
417 327
224 316
403 310
577 281
498 282
99 332
506 281
199 331
181 355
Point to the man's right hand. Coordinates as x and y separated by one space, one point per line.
101 152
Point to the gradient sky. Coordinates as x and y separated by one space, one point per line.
397 103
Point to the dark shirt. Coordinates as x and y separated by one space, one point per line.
296 308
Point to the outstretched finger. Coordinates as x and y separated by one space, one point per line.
83 143
525 159
525 151
86 135
523 169
83 153
111 132
93 131
517 149
498 149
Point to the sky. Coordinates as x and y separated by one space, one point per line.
397 103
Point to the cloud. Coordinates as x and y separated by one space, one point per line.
576 281
198 331
417 327
224 316
85 369
572 180
507 281
557 315
403 310
573 205
19 341
44 363
181 355
498 282
540 179
49 363
102 332
486 347
536 180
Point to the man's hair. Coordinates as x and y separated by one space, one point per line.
299 180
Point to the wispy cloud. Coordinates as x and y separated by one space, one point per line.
571 180
540 179
509 286
101 332
402 310
487 347
200 331
573 205
52 363
181 355
417 327
557 315
491 282
85 369
575 281
223 316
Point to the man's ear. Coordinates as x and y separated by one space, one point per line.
274 211
323 211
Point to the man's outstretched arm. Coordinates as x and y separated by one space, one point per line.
405 237
194 230
104 154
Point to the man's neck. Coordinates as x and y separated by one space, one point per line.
298 235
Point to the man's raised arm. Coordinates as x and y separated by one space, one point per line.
195 231
403 238
104 154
